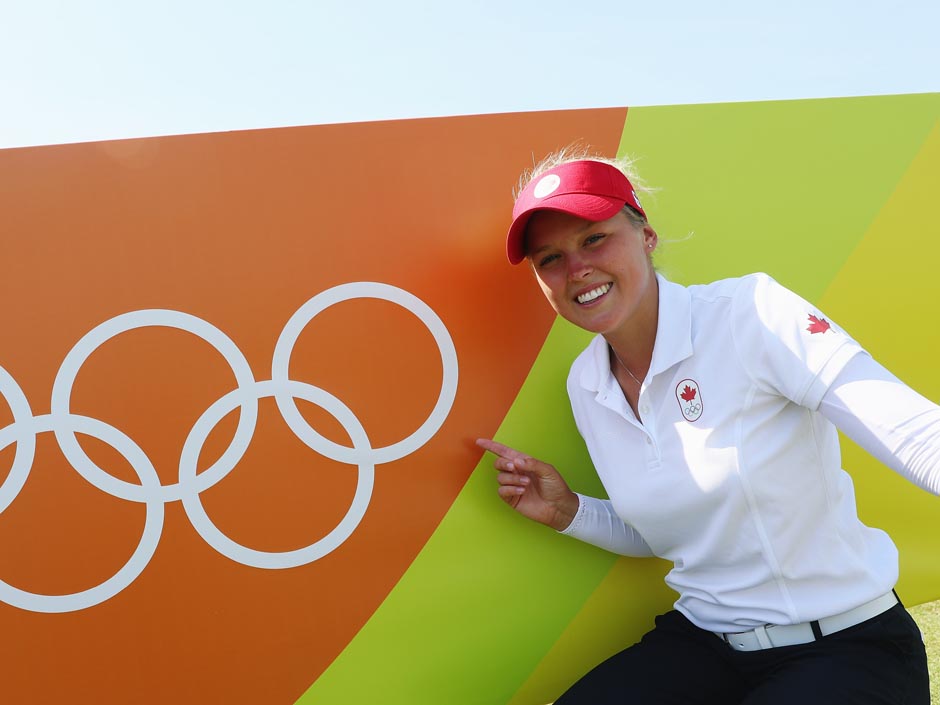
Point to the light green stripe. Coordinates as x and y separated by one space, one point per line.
490 592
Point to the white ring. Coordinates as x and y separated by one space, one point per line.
280 371
79 354
20 432
276 559
191 483
153 524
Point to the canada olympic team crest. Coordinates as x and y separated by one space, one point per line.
689 397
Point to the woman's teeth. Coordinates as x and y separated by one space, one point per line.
593 293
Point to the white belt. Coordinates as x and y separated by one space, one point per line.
774 635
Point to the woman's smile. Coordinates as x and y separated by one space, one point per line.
594 294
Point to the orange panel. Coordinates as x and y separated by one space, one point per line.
240 229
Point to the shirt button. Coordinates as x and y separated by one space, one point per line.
645 409
649 441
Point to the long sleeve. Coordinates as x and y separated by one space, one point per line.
597 523
888 419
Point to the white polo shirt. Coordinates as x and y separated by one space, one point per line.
729 472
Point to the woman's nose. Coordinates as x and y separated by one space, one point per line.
578 268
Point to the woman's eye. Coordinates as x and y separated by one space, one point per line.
591 239
547 260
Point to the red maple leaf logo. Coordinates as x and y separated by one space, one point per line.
817 325
688 393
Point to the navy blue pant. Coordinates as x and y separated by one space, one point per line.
881 660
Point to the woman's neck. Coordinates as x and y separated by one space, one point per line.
633 342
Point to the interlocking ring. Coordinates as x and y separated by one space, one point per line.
153 525
78 355
306 313
154 495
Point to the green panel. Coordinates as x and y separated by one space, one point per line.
618 613
784 187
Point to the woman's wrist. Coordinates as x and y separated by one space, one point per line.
565 512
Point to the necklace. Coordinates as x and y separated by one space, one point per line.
626 369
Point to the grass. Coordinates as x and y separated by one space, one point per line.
927 617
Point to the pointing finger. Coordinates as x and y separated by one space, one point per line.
501 450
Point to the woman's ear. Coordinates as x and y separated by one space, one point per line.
650 238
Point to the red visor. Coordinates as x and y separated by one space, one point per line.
587 189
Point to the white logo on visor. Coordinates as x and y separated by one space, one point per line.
546 185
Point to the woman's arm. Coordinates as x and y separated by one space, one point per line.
598 524
537 490
888 419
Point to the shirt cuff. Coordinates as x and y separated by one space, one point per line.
572 528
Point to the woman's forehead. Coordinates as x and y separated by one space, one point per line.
547 227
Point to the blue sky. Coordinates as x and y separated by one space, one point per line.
104 69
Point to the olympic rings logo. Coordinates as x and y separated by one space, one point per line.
154 495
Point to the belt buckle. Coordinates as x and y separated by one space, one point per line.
769 636
751 640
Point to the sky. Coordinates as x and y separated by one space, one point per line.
74 71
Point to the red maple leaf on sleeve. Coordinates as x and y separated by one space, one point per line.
688 393
817 325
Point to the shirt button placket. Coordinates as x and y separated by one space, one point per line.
653 461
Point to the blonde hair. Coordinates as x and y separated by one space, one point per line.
578 152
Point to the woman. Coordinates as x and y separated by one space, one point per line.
710 415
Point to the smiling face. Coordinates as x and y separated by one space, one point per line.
598 276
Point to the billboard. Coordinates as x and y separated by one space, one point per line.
241 374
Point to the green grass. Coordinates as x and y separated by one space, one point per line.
927 617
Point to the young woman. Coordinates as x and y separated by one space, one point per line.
710 414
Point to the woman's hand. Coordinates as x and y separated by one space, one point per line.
533 488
